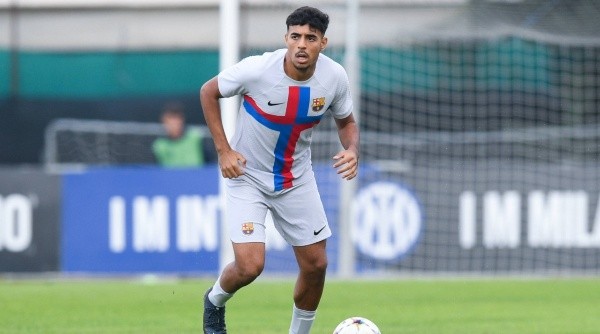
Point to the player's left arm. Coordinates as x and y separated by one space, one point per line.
346 161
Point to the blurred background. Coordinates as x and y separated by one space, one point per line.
479 122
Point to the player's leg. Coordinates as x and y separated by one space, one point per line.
312 264
247 232
248 265
300 218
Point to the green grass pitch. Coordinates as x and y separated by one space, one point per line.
396 306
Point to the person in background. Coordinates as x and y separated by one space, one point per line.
182 146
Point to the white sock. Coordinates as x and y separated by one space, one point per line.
301 321
217 295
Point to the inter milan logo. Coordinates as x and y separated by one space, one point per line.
248 228
318 103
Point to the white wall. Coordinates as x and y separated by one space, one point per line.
192 26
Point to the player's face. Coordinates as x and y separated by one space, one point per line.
303 47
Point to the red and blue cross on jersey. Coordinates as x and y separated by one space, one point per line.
290 125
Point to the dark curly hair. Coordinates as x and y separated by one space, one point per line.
308 15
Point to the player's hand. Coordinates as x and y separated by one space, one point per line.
346 163
232 164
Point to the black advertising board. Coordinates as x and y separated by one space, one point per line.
29 220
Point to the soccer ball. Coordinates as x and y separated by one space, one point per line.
356 325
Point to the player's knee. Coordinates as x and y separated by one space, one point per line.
321 265
250 270
318 266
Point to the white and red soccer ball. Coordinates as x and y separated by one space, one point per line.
356 325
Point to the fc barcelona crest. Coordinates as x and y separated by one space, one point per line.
318 103
248 228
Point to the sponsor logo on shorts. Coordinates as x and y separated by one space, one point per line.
248 228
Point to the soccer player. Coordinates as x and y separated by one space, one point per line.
268 164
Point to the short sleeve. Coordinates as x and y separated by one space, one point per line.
342 104
233 80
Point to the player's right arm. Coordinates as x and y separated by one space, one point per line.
231 162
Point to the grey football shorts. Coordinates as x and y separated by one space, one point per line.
298 213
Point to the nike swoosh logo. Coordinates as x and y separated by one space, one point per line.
319 231
274 104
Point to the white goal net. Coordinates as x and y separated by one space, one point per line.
493 127
78 142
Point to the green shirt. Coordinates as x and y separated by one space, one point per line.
182 152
